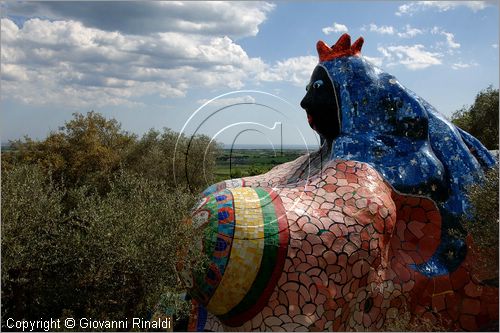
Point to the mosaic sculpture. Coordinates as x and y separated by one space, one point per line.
356 234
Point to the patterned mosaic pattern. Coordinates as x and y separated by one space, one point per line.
216 215
409 143
249 227
356 234
198 317
353 244
246 253
273 258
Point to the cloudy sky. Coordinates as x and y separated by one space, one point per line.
228 70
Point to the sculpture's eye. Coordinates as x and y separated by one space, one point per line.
317 84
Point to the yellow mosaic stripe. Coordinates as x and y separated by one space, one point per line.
246 252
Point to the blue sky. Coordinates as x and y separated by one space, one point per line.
155 64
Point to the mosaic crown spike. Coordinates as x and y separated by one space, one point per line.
342 48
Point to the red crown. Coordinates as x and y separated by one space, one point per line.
342 48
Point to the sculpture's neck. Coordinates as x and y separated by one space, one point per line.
313 164
325 151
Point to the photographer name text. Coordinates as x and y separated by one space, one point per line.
88 323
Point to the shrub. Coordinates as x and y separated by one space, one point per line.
108 257
33 238
483 227
87 150
481 118
175 159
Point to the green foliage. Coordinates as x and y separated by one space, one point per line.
255 170
87 150
109 257
483 226
93 223
236 173
177 160
481 118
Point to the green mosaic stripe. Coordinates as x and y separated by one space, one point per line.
200 290
271 245
212 228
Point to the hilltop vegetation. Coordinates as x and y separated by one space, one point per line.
481 118
89 149
92 219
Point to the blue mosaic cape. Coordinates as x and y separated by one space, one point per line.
413 147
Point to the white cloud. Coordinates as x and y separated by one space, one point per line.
384 52
234 19
412 57
418 56
450 38
495 46
335 27
12 72
441 6
383 30
221 102
410 32
296 70
405 9
377 61
81 65
462 65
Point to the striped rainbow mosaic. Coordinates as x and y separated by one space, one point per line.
246 237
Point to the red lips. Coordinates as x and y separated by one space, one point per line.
310 121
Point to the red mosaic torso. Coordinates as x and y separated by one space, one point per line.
352 242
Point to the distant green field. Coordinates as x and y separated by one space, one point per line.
7 147
249 162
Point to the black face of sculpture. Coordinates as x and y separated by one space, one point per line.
321 105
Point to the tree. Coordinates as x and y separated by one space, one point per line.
93 222
176 159
86 150
483 227
481 118
89 149
110 256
